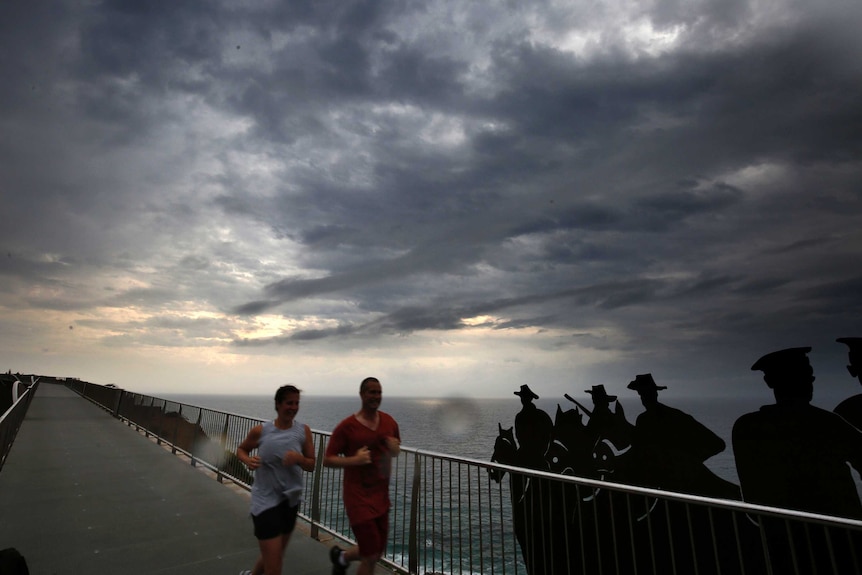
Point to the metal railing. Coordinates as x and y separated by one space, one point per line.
11 419
455 515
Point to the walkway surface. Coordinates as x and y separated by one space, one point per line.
81 492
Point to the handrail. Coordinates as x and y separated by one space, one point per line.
10 421
449 516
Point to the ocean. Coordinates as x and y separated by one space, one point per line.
468 427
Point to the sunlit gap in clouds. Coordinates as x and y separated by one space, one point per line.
444 130
263 327
638 36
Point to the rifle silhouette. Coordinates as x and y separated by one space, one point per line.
575 401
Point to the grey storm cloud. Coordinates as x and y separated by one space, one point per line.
662 180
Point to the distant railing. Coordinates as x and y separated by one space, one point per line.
450 515
10 421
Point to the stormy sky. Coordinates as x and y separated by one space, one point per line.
456 197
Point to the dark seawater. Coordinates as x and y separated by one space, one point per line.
468 427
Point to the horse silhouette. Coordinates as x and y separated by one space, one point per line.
537 514
505 451
569 452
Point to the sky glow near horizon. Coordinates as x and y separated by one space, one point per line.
212 197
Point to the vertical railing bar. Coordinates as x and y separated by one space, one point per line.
579 510
460 523
407 471
435 536
615 545
470 518
192 454
632 533
793 556
452 507
412 549
764 544
736 537
595 503
491 530
481 524
407 487
650 535
407 493
223 443
670 537
315 491
796 562
148 425
393 512
852 547
403 502
545 521
328 484
176 429
829 546
545 502
161 423
714 539
502 521
425 463
565 523
432 548
691 537
811 554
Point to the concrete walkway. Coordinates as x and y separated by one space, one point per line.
81 492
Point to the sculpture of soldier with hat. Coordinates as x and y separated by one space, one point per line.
672 446
602 420
533 429
792 454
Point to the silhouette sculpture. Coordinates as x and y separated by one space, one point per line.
570 449
672 447
534 514
602 418
851 408
794 455
533 428
567 529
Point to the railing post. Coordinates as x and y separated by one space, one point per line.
162 420
120 395
412 544
150 418
176 429
195 436
317 486
221 459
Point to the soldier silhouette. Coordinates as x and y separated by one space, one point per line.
851 408
533 428
792 454
672 446
536 511
601 418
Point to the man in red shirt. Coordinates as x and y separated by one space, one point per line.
364 445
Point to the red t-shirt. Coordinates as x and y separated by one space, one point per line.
366 487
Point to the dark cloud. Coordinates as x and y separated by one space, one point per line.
641 186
